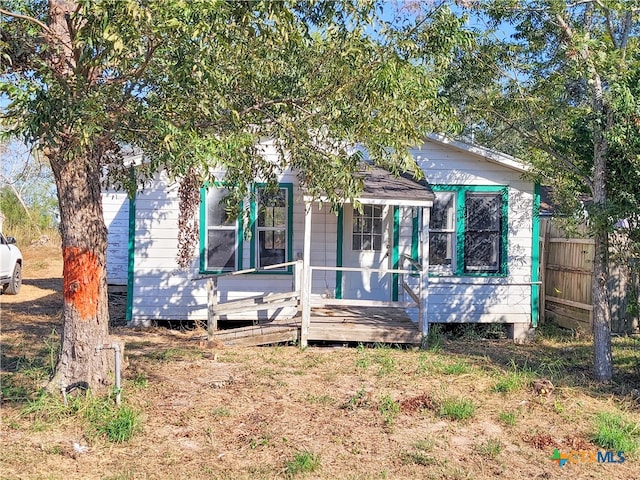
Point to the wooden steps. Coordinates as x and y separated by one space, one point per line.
262 334
331 324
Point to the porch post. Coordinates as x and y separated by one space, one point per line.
212 301
424 277
305 294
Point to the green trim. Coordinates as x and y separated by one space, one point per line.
253 225
339 247
415 234
535 257
461 191
131 249
395 253
460 204
240 239
504 266
203 227
203 231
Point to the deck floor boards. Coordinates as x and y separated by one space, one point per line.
363 324
332 324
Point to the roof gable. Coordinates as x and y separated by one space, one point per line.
487 154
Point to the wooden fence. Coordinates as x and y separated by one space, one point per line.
566 269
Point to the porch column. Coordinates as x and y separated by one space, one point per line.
424 278
305 294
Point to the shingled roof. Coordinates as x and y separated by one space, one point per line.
381 186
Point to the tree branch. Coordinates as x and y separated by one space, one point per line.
35 21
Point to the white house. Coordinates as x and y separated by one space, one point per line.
461 247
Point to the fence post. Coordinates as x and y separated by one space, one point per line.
544 260
212 301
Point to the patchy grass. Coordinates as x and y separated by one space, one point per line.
490 448
515 379
303 462
460 367
456 408
389 409
465 407
420 454
507 418
615 432
98 416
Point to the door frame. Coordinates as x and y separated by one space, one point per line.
388 249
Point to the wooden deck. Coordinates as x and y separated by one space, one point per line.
335 324
363 324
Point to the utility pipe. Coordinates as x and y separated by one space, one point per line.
116 350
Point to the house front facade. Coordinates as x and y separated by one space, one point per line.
471 228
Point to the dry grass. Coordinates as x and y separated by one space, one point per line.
208 412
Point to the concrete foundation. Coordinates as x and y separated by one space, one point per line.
520 332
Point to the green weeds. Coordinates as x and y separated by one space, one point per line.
357 400
389 409
419 455
303 462
320 399
516 379
614 432
458 368
221 412
102 418
381 356
507 418
456 408
490 448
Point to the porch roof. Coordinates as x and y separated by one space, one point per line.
383 188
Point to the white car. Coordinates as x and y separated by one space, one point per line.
10 265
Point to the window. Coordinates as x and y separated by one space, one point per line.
221 243
273 221
442 229
268 232
367 228
467 230
483 232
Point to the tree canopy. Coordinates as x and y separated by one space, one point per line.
559 87
197 86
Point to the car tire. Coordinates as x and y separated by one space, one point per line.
16 281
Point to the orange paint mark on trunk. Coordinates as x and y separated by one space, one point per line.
81 280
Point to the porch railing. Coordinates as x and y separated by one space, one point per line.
216 309
301 297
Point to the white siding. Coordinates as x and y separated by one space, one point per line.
115 206
161 291
483 299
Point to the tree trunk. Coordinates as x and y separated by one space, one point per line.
84 246
602 358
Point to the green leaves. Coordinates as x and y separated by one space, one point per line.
197 85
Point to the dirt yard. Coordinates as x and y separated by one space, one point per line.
375 412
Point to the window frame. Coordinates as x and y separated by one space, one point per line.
254 253
444 269
460 191
372 233
204 230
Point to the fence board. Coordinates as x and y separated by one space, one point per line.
566 271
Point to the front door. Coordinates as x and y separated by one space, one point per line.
366 244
